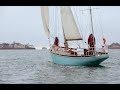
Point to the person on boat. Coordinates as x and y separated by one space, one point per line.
104 47
104 41
55 46
56 42
91 43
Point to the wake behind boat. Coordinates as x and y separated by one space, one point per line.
64 53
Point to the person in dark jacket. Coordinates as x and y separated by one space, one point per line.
55 46
91 40
91 43
56 42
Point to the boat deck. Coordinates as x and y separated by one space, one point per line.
74 54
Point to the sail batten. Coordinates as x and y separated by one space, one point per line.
45 19
68 22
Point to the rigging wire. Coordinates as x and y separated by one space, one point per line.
76 23
52 36
57 29
85 29
47 27
98 36
101 24
53 23
86 26
58 21
76 42
94 31
79 27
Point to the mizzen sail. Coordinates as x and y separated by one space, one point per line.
68 22
45 19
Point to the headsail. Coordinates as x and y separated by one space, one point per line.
68 22
45 19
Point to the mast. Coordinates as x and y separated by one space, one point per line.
91 20
65 41
92 29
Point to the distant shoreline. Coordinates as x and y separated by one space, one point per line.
114 46
14 46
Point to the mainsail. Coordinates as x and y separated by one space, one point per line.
70 28
45 19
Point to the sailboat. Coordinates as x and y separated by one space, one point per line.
66 55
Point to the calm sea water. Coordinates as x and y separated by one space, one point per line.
36 67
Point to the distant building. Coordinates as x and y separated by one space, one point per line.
15 45
5 45
114 46
1 45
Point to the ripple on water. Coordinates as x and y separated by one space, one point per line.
36 66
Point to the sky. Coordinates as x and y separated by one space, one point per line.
24 24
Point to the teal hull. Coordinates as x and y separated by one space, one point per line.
79 61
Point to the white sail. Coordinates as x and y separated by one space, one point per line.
45 19
69 25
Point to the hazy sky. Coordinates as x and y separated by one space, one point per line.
23 24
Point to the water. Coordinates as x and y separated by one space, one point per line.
36 67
